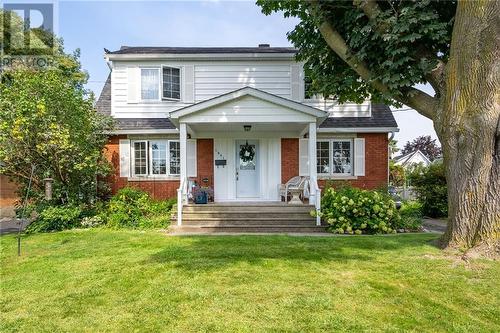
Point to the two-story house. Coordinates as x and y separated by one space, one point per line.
237 119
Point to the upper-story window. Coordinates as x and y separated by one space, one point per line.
170 87
171 83
150 84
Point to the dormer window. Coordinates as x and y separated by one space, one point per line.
171 83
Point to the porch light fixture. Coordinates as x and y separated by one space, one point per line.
247 128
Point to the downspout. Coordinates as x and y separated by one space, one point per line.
389 155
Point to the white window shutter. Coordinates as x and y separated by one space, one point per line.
124 147
304 157
191 157
133 84
188 84
359 156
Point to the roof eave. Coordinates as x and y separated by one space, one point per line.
191 56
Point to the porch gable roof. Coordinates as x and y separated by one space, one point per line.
320 115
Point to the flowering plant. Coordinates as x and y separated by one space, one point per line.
355 211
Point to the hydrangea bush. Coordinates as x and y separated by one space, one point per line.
355 211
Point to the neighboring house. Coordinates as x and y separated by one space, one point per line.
235 119
414 158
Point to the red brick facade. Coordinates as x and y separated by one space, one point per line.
376 155
159 189
289 159
375 165
205 162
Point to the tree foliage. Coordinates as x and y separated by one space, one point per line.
396 174
426 145
48 123
430 185
47 120
385 43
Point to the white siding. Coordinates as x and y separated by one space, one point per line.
213 79
206 79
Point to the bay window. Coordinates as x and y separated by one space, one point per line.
334 157
155 158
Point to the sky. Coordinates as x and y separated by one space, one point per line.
92 26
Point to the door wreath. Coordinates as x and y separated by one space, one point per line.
247 152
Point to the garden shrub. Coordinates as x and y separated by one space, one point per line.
133 208
56 218
411 216
430 185
355 211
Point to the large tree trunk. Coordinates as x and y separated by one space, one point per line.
468 125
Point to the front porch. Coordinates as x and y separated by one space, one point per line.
247 128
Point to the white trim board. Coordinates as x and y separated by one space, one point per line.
248 91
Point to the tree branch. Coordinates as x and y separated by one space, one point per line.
436 76
415 98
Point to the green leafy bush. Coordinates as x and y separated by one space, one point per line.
411 216
355 211
133 208
56 218
430 185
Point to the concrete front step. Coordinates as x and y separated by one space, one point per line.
248 209
248 222
246 229
246 215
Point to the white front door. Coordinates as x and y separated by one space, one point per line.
247 169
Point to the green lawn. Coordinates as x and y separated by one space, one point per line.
102 280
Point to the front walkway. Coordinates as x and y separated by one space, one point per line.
434 225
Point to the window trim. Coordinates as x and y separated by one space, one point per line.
163 98
160 81
329 156
332 174
351 153
140 175
168 158
149 160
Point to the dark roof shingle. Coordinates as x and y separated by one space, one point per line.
143 123
103 104
381 117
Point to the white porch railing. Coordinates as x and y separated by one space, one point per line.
316 191
182 198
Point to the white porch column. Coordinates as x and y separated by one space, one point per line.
183 146
312 160
183 181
